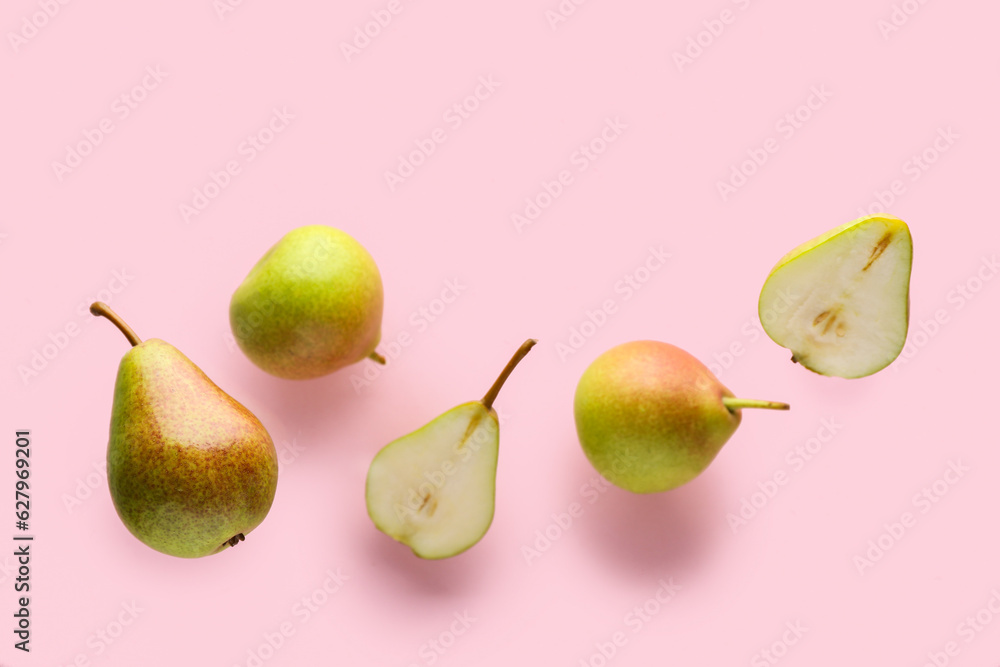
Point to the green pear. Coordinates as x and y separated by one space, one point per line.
651 417
191 471
841 302
311 305
434 489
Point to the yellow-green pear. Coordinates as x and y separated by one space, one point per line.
191 471
841 302
434 489
311 305
650 417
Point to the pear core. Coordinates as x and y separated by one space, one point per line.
840 302
434 489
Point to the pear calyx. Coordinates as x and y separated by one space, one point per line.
732 403
101 309
234 540
491 395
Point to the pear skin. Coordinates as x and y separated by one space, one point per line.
310 306
650 417
191 471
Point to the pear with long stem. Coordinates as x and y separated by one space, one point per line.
650 417
434 489
191 471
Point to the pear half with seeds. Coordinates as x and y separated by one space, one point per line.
841 302
434 489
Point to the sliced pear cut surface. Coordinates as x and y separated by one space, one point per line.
840 302
434 489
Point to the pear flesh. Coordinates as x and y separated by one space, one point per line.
191 471
840 302
650 417
434 489
310 306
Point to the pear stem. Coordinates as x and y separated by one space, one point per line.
738 403
491 395
101 309
377 358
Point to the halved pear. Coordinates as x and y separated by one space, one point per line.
434 489
841 302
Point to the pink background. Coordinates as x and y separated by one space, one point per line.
112 228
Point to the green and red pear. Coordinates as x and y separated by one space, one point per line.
191 471
650 417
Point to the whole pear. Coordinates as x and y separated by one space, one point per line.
311 305
191 471
650 417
